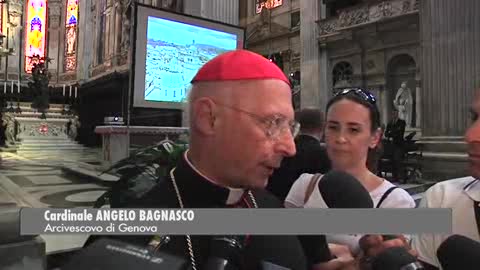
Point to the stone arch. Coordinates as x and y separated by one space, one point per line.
402 68
342 75
406 52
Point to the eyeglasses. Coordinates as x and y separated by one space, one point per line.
363 94
273 126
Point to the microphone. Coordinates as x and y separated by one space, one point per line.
459 252
225 253
341 190
108 254
336 189
396 258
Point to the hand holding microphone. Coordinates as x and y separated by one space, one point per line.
372 245
395 258
387 253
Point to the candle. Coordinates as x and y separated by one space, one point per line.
11 89
70 92
64 90
19 86
5 87
75 92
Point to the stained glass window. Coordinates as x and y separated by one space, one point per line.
35 31
71 23
268 4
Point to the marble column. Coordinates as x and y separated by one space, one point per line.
15 30
96 12
56 45
118 28
450 32
226 11
110 31
85 42
383 104
314 61
418 105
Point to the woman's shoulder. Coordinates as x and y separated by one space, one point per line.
297 192
398 197
303 180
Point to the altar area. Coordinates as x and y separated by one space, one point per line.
26 130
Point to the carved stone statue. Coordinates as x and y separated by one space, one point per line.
75 124
403 102
125 42
71 38
9 129
74 127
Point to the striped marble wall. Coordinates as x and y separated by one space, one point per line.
450 38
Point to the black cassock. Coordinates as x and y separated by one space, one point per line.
197 192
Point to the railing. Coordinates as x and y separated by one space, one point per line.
366 14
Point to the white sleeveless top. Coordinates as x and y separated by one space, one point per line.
398 198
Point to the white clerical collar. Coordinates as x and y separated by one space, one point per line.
473 190
234 194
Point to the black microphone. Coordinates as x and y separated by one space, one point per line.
459 252
108 254
225 253
395 258
341 190
336 189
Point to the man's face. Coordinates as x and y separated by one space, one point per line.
248 155
472 137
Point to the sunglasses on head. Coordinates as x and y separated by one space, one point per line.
363 94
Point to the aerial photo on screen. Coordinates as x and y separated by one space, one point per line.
175 52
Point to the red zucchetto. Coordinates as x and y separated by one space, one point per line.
239 65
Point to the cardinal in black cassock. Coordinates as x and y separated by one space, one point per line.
188 187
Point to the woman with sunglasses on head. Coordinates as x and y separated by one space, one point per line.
352 134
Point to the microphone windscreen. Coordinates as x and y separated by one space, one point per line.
108 254
226 252
393 259
459 252
342 190
278 250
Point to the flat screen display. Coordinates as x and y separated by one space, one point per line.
170 49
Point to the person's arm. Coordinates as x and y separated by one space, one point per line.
372 245
296 195
337 264
315 248
343 259
426 244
